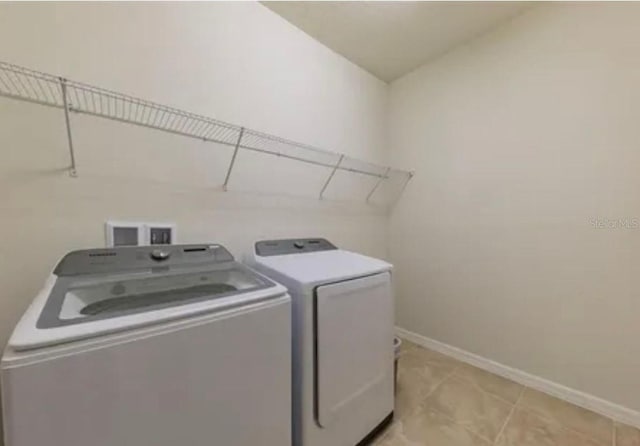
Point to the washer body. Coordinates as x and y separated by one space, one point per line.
342 323
139 346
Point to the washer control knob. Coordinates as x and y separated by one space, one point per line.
160 255
298 245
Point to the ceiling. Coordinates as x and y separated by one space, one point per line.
390 39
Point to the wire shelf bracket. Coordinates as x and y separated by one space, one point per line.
41 88
386 172
333 172
65 100
233 160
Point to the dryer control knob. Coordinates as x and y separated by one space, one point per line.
159 254
298 245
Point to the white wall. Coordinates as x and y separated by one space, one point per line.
519 140
236 62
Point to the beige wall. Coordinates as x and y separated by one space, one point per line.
237 62
519 140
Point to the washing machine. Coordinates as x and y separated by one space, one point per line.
142 346
342 340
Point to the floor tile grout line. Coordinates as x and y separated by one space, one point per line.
461 425
461 364
530 410
481 390
506 421
491 394
560 424
515 405
449 375
423 400
456 422
446 377
430 392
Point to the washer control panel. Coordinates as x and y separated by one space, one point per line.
121 259
266 248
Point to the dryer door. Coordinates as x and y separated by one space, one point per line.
354 348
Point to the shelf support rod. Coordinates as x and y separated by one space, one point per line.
380 180
233 159
65 102
404 185
333 172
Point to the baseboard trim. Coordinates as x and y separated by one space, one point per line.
603 407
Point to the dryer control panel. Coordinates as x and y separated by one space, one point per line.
266 248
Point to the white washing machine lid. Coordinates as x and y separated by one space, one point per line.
307 262
95 292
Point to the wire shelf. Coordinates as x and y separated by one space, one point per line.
103 103
24 84
29 85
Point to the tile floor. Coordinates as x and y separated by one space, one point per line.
443 402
